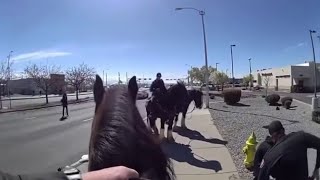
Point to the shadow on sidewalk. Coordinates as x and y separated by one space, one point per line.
183 153
195 135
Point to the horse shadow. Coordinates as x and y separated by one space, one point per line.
195 135
183 153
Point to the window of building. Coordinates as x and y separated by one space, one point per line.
283 76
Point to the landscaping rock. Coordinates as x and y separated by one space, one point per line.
272 99
235 124
231 96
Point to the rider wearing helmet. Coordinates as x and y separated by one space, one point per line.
157 87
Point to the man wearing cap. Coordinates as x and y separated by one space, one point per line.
158 86
287 159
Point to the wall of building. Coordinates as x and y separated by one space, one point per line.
24 87
277 76
289 76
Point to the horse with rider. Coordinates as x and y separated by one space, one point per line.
166 104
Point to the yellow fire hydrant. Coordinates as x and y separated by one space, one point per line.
250 150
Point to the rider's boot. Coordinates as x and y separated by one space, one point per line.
161 134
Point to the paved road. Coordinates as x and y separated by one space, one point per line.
19 102
35 141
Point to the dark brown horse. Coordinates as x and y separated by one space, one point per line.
166 109
120 137
193 95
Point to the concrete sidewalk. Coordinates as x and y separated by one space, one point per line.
200 152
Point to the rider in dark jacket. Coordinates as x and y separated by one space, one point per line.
158 86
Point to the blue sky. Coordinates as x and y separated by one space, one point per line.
147 36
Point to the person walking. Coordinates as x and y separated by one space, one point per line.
64 102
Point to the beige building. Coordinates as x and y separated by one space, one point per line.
295 78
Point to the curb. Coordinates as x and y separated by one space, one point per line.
43 107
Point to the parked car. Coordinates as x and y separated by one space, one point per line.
142 95
211 87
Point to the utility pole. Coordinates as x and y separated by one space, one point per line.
119 78
127 77
106 79
102 76
8 78
202 13
315 99
232 64
250 73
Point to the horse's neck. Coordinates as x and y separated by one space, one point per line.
189 99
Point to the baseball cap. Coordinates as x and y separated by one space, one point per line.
274 126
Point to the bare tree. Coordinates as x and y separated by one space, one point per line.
76 76
267 83
41 76
219 78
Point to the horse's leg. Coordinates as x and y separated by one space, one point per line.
148 121
163 121
183 119
176 118
153 125
169 132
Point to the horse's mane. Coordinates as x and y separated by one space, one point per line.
120 137
176 93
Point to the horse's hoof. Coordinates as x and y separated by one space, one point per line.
184 126
155 131
170 140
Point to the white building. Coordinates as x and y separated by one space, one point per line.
291 77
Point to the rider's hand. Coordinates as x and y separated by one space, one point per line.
113 173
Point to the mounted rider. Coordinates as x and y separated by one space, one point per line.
158 88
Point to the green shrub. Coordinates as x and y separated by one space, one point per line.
231 96
273 99
287 104
284 99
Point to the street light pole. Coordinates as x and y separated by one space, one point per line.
250 73
202 13
189 74
315 66
8 78
232 64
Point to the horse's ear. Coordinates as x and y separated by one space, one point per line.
98 90
133 87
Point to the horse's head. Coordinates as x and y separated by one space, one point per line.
120 137
196 96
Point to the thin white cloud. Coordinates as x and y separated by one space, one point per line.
295 46
40 55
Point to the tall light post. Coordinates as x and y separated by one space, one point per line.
250 73
202 13
8 78
232 64
189 74
315 66
217 66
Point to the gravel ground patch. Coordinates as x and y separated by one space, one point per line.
236 123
